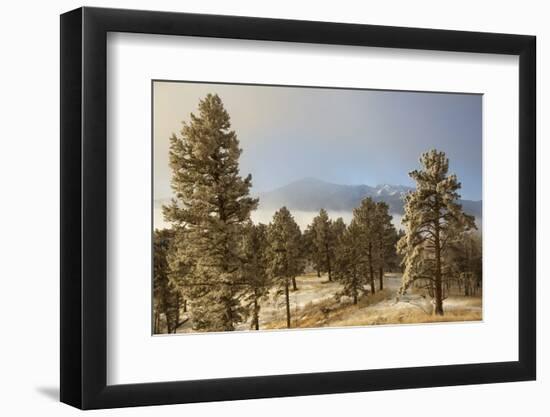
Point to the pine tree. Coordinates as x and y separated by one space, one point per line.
323 242
255 274
350 266
395 263
465 257
285 260
166 296
180 265
385 239
310 251
366 217
338 230
433 219
210 207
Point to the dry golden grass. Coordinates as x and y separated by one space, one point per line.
378 309
408 316
323 313
314 306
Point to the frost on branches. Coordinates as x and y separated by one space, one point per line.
285 260
210 209
434 222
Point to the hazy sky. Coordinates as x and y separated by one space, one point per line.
341 136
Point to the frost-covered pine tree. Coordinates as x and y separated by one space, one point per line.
310 251
338 228
285 260
366 217
323 242
210 207
433 219
255 274
465 260
349 266
385 239
166 296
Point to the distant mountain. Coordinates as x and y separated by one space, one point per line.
311 194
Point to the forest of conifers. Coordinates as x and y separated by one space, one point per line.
216 270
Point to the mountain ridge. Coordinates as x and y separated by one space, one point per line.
312 194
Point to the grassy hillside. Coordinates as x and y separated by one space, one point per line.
313 305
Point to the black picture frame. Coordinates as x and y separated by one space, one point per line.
84 207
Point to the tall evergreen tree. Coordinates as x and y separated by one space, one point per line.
166 296
433 219
465 257
323 241
338 229
285 260
395 263
310 250
255 274
210 207
385 239
349 268
366 217
180 264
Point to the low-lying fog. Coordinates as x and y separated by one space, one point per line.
303 218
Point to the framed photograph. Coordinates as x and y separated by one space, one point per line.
257 208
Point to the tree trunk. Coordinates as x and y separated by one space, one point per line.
228 325
467 285
287 306
185 306
256 315
294 287
177 319
168 324
228 297
328 263
354 285
318 273
156 322
382 262
438 308
180 324
371 270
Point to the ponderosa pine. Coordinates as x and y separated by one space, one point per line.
255 274
349 266
166 296
285 255
323 242
211 206
385 235
433 219
365 216
309 250
338 228
465 258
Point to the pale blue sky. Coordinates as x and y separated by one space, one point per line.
337 135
